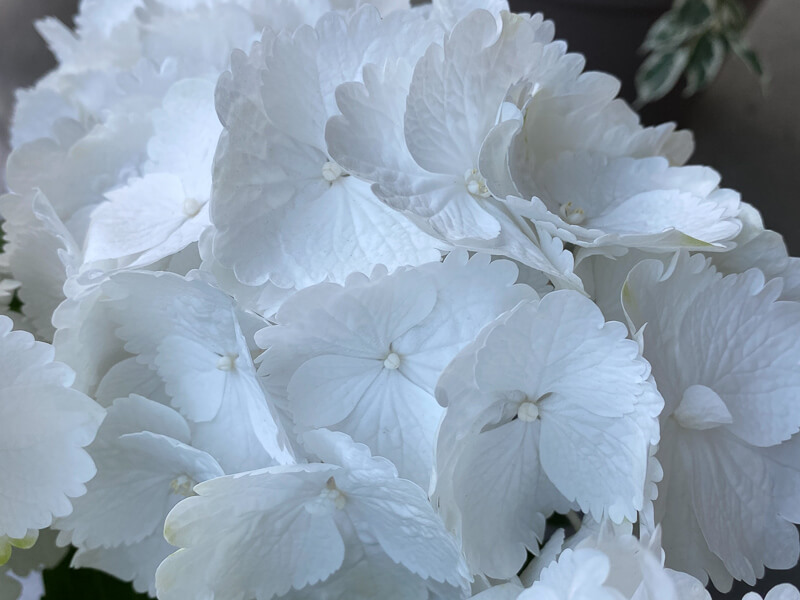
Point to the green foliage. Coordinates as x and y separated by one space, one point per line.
692 40
65 583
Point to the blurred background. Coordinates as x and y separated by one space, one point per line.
751 136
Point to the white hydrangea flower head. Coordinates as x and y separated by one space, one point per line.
724 352
550 408
203 186
430 140
353 358
341 528
145 466
45 426
284 211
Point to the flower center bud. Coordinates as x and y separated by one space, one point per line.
476 184
334 494
392 361
573 215
191 207
528 411
331 171
183 485
227 362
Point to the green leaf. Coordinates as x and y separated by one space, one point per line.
743 50
695 13
678 26
659 73
705 62
65 583
667 33
732 16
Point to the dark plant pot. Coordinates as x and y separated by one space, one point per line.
609 33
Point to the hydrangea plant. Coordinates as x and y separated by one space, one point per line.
691 41
333 299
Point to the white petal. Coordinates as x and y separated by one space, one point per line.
496 484
398 516
130 377
130 562
259 523
45 426
40 252
702 408
186 134
139 217
577 573
457 90
188 331
136 467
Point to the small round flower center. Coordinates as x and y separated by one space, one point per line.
183 485
528 411
334 494
227 362
191 206
331 171
392 361
476 184
572 214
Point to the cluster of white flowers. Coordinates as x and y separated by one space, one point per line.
325 299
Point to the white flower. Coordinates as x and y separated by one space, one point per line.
596 201
784 591
597 179
40 252
201 186
504 591
431 142
450 12
614 566
724 353
364 358
145 465
190 334
551 407
160 214
345 528
264 299
44 427
763 249
283 209
199 35
76 168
